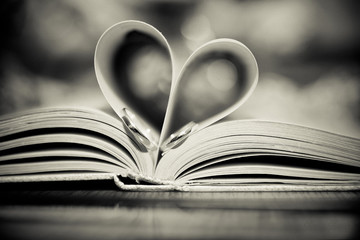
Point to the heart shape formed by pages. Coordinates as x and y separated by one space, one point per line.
134 68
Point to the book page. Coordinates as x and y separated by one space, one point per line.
263 148
66 140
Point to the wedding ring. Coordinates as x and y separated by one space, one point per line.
178 137
139 132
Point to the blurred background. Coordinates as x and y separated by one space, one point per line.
308 52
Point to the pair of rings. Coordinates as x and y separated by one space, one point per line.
144 137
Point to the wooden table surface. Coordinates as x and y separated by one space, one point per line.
97 210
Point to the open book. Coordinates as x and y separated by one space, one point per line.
149 147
